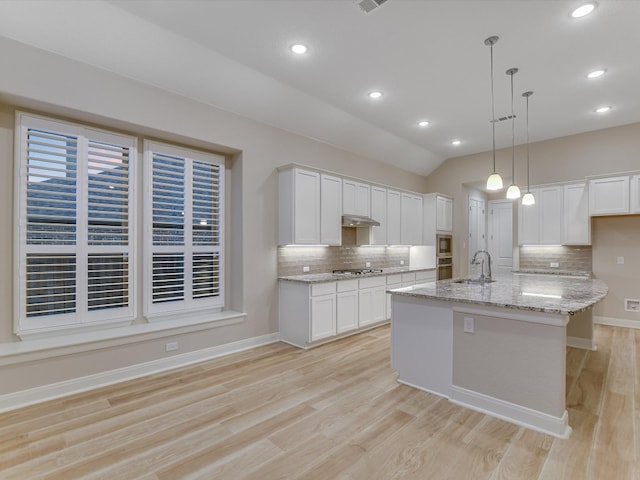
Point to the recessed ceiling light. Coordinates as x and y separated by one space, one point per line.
583 10
596 73
423 123
603 109
375 94
299 48
456 142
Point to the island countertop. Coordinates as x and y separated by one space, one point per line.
539 293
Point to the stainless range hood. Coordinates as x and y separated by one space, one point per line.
358 221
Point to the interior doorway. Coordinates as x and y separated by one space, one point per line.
500 234
477 223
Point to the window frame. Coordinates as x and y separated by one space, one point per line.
82 318
189 307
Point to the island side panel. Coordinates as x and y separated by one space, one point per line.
580 330
421 343
515 361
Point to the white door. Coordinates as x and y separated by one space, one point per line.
501 234
477 222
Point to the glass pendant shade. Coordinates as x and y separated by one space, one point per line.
513 192
494 182
528 199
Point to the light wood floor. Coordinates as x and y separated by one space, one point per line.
334 412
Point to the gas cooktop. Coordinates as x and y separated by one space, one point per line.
357 271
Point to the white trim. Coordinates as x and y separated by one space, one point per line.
12 401
583 343
433 392
12 353
616 322
523 416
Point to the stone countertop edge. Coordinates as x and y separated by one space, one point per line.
330 277
536 293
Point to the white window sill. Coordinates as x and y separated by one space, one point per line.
35 349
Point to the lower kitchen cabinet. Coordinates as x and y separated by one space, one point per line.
393 281
372 303
323 316
347 306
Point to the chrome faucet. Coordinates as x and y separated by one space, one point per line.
474 261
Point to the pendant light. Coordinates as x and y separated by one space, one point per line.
528 198
513 191
494 182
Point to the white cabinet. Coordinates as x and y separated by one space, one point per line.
408 279
330 210
609 196
323 317
393 281
356 198
299 207
372 300
347 306
393 217
425 276
437 216
444 214
378 235
410 219
577 223
635 194
541 223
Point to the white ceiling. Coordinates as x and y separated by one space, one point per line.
427 56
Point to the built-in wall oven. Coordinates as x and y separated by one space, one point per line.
444 257
444 268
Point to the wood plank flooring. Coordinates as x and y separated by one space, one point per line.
334 412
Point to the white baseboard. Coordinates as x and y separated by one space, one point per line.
583 343
23 398
523 416
616 322
409 384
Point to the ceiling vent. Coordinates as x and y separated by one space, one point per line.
367 6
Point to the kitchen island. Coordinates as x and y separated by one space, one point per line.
499 347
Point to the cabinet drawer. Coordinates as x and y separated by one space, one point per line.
394 279
426 276
408 277
323 288
380 281
347 285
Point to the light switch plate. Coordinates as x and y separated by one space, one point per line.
620 260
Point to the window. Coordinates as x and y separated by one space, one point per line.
183 241
75 207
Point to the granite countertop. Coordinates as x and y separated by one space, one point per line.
540 293
555 271
331 277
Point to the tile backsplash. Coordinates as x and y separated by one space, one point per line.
570 258
291 260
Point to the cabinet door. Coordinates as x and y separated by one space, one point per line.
379 213
609 196
356 198
393 217
551 215
306 206
577 223
529 221
444 214
635 194
379 298
372 305
410 219
323 316
330 210
347 311
363 199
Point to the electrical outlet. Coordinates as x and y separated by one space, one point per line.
171 347
469 326
554 264
631 305
401 262
367 264
305 269
620 260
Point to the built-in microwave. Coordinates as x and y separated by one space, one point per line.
444 246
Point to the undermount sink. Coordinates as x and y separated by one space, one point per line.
472 281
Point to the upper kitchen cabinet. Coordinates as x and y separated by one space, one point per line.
635 194
356 198
299 207
577 223
393 217
437 216
411 211
609 196
378 235
542 222
330 210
